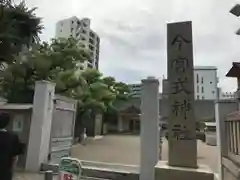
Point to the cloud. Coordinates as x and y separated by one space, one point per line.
133 33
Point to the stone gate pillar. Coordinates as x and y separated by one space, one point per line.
182 144
40 129
149 128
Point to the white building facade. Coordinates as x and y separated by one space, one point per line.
226 95
205 82
135 90
87 38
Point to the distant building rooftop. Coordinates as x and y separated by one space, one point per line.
205 68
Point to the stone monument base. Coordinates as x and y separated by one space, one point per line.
165 172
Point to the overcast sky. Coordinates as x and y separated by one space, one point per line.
133 33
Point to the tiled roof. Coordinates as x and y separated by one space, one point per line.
235 70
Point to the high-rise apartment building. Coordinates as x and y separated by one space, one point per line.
87 38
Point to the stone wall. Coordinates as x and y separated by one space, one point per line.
228 175
204 109
231 171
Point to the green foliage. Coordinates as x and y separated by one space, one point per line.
19 27
57 62
101 92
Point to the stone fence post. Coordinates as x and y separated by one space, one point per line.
149 128
41 123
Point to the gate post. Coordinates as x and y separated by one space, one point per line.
40 128
149 128
48 175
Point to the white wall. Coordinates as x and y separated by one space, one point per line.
206 86
226 95
63 29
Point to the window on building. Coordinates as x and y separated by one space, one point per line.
202 89
202 80
197 78
91 34
72 22
83 38
197 96
71 29
80 44
90 60
211 82
97 50
197 89
203 97
91 47
90 66
91 41
84 24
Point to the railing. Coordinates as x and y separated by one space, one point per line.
49 176
232 125
92 170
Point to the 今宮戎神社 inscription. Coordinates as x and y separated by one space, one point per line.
181 123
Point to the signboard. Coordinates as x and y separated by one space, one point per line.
18 123
70 169
181 126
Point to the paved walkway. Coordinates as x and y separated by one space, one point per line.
29 176
125 149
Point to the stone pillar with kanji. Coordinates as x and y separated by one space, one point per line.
182 143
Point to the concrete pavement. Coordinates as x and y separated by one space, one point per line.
125 149
29 176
